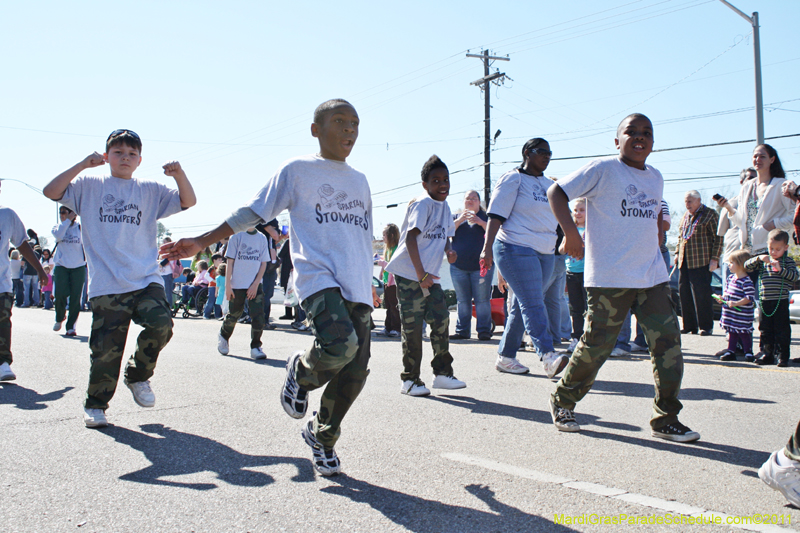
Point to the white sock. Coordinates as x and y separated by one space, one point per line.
785 461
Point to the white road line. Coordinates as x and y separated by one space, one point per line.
608 492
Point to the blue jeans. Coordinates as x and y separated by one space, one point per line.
208 310
624 337
469 286
169 286
268 285
524 269
31 290
554 296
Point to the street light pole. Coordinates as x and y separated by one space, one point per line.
757 51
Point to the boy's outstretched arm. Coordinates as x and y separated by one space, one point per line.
30 257
56 188
185 190
559 204
239 220
190 246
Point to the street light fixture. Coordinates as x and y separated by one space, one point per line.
757 52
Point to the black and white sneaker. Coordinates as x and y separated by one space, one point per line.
293 399
326 462
563 419
676 432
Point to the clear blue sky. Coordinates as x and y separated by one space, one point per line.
228 89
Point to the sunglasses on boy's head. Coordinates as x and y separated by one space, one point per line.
540 151
117 133
63 212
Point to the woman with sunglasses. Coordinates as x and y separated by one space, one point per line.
521 237
69 273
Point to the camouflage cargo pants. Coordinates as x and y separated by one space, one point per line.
415 308
6 303
111 318
235 310
338 357
792 450
607 311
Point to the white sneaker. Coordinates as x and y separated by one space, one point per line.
6 374
142 393
510 365
619 352
553 363
414 388
222 344
785 479
447 382
572 344
257 353
638 348
57 326
394 333
94 418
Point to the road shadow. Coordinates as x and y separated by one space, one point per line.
175 453
277 363
28 399
483 407
76 338
722 453
431 516
643 390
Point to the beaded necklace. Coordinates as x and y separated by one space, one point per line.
689 228
761 291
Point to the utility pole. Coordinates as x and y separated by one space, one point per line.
757 52
487 146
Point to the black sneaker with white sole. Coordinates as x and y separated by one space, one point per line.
293 399
326 462
676 432
563 419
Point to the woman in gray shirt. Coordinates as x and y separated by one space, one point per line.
521 237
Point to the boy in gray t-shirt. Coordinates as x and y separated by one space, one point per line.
623 206
247 255
424 239
11 232
330 210
119 217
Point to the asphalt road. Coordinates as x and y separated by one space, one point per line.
217 452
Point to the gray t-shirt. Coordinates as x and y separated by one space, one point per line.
330 229
11 231
622 207
522 200
119 228
435 222
248 250
69 250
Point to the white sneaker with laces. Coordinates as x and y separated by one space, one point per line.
57 326
6 374
572 344
619 352
510 365
784 479
94 418
257 353
447 382
142 393
222 345
414 388
554 363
